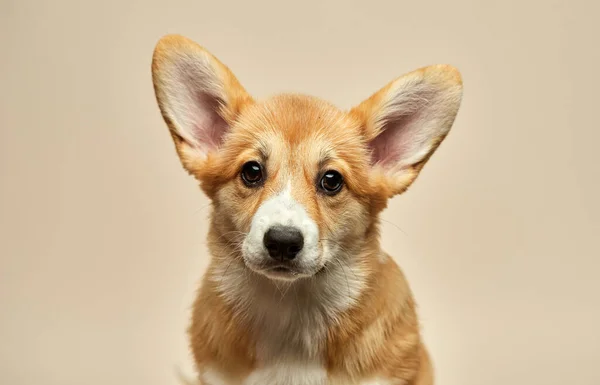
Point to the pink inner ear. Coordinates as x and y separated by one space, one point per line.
196 96
392 144
209 128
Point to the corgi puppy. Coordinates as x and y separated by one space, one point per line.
299 290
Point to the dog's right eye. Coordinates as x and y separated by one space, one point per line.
252 174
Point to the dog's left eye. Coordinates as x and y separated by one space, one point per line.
331 182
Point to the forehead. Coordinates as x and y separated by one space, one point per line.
297 127
296 138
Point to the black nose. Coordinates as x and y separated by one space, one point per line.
283 242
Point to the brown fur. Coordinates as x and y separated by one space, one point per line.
380 335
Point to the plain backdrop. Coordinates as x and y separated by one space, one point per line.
102 234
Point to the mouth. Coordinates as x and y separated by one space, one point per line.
279 271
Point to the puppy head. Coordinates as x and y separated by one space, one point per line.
295 182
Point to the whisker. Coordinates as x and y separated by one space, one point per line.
279 290
345 275
395 225
338 244
225 272
197 211
349 268
285 292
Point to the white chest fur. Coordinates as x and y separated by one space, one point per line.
290 329
290 322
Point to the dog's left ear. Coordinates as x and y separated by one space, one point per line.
406 121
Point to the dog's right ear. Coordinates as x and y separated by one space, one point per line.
198 96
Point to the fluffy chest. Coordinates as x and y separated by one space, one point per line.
289 351
290 339
288 321
291 343
289 325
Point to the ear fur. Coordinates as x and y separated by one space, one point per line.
199 97
405 122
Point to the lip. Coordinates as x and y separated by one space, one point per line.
284 272
278 270
281 269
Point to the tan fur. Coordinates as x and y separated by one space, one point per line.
298 136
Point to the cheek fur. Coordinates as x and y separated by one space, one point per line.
344 221
238 204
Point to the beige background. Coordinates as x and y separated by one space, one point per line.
102 233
